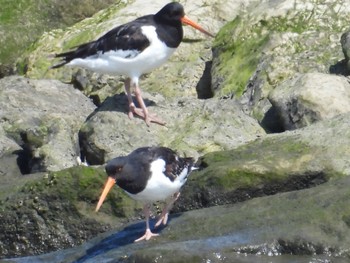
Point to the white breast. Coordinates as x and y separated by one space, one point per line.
159 186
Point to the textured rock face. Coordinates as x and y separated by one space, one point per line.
255 53
193 127
311 225
311 97
47 215
39 16
43 117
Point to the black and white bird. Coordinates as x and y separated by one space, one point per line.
149 174
133 49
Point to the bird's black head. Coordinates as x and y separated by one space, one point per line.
115 167
171 13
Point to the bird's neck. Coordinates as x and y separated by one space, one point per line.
170 34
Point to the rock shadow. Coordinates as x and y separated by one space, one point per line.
340 68
119 103
203 88
272 121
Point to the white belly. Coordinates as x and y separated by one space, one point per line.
159 186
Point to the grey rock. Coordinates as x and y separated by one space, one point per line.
288 161
308 98
193 127
43 117
255 53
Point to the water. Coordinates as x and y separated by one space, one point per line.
118 246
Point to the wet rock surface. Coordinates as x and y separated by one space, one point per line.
287 227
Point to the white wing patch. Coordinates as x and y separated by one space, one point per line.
121 53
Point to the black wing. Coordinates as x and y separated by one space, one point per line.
125 37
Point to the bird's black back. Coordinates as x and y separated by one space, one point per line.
129 36
133 171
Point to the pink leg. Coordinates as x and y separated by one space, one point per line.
148 234
143 111
163 218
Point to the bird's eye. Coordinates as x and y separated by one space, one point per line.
118 169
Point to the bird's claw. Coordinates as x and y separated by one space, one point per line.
147 236
147 117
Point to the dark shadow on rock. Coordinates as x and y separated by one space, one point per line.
119 103
203 88
340 68
122 238
272 122
201 197
23 159
193 40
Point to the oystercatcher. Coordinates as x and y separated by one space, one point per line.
132 49
149 174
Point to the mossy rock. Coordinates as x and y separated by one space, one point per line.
257 51
262 167
55 210
248 40
39 16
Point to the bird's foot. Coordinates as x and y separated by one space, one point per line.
147 236
163 219
150 117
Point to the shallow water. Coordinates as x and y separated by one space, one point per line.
118 246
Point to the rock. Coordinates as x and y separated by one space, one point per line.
9 158
39 17
254 53
311 97
43 117
52 211
193 127
294 160
288 161
311 225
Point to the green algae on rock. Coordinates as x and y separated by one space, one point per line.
39 16
259 50
56 210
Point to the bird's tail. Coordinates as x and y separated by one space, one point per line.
81 51
66 57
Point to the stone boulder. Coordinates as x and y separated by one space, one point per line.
307 98
288 161
310 225
255 53
193 127
43 117
312 157
39 16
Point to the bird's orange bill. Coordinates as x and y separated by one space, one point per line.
189 22
109 184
